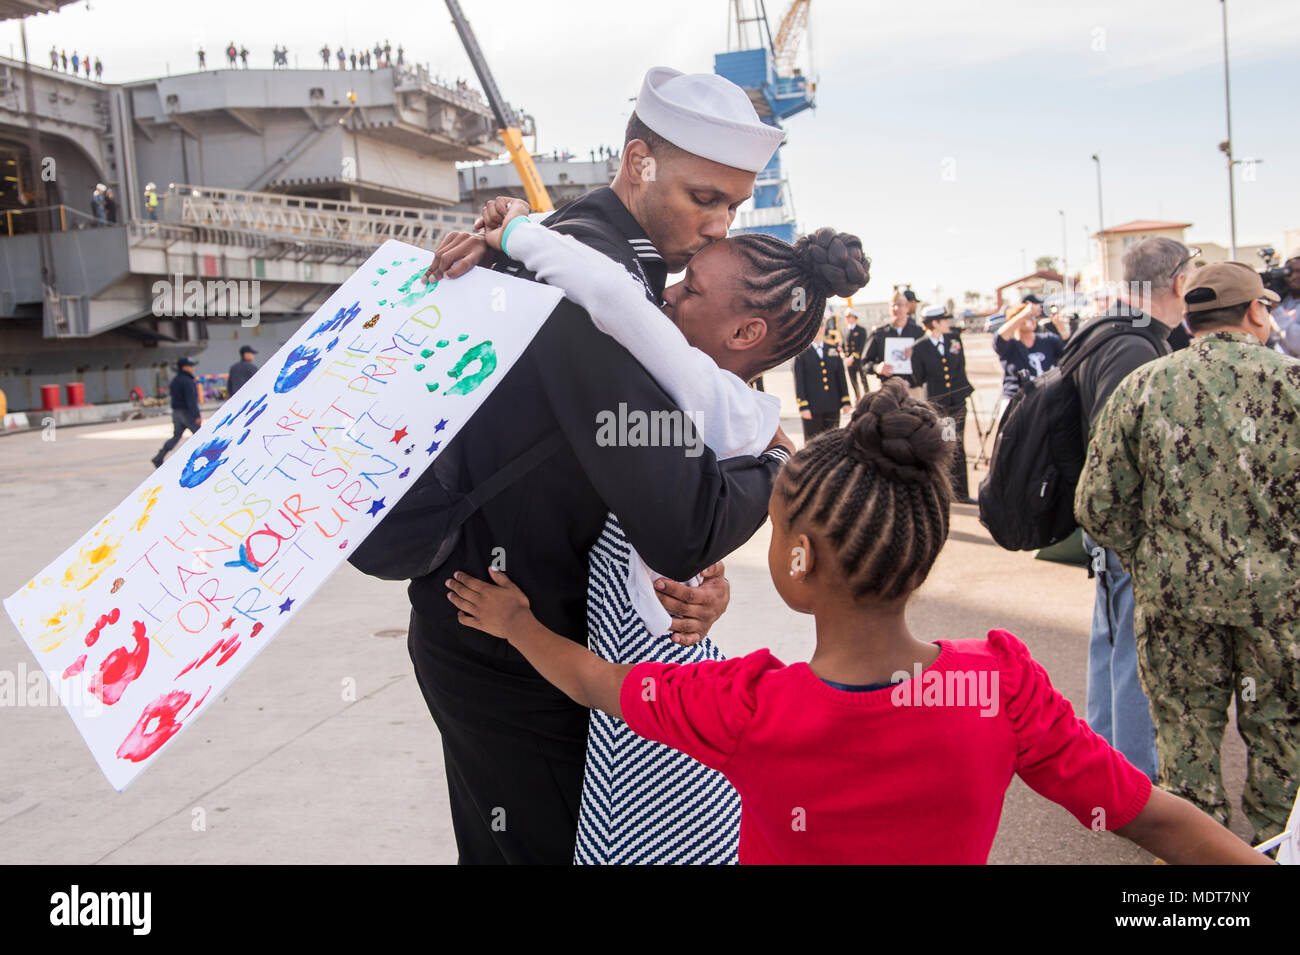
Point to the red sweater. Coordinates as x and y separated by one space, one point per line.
915 773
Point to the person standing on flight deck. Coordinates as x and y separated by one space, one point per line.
514 746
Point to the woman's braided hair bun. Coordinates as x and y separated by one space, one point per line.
833 262
899 435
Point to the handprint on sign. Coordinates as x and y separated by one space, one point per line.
483 353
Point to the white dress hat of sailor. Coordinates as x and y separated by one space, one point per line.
708 116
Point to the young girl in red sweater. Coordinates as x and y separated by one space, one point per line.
882 748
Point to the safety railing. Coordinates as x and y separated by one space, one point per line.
59 218
308 218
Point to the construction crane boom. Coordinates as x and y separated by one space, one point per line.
510 132
788 35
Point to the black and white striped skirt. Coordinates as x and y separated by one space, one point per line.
642 802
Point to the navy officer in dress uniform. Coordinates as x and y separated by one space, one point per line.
855 345
900 326
939 365
820 386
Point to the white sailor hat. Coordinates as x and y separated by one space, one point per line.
932 313
708 116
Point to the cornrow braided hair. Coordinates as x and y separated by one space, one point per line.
878 490
789 284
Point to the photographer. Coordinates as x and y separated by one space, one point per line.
1286 316
1020 346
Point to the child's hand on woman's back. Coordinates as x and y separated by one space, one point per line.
497 608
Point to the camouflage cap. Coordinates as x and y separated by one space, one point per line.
1225 284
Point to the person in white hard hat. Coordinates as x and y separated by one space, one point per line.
514 746
98 203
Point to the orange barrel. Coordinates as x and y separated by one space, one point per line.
76 394
49 397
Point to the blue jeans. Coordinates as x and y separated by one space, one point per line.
1117 708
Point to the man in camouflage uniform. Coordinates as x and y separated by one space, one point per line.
1193 477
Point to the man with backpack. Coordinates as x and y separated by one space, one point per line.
1027 499
1117 709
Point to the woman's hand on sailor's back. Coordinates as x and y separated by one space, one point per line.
458 252
497 214
782 440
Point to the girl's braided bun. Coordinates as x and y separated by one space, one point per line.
899 435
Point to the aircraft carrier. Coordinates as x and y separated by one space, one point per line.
275 182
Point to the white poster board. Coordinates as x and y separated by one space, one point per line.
152 614
898 356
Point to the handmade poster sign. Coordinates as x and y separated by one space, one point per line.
156 609
898 354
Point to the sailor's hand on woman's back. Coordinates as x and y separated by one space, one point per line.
695 609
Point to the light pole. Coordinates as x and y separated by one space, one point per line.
1065 260
1226 145
1101 225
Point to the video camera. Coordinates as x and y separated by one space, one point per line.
1276 278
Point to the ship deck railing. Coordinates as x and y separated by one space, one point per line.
243 217
305 217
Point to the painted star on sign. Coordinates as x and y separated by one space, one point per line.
228 624
376 507
431 448
440 425
398 436
284 607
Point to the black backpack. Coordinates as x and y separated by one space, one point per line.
1027 499
420 531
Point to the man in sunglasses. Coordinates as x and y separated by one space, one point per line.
1192 478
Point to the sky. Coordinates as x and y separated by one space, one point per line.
949 135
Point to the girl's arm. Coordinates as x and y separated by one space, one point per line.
1176 831
501 609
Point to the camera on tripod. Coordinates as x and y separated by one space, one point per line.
1275 277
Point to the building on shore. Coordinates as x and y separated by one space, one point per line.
1119 239
1042 283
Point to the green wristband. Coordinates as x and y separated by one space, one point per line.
510 228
